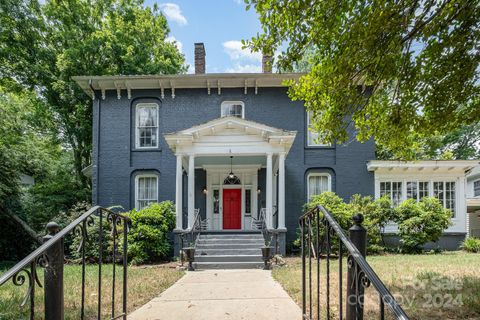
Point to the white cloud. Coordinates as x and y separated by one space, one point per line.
245 68
177 43
172 12
234 50
239 1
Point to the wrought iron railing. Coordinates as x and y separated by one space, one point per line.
51 257
322 235
191 235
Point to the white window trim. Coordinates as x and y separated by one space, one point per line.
430 181
473 188
150 175
230 103
318 174
137 136
308 126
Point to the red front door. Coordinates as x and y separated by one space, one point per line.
232 209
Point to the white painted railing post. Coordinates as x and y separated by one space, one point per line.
178 193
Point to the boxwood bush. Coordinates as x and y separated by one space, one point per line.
148 237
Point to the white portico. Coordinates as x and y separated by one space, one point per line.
232 151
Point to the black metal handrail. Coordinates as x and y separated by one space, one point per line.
191 235
50 256
318 228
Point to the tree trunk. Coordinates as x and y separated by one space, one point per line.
25 227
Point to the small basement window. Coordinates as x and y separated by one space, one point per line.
233 109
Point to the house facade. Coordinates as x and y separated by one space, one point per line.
228 146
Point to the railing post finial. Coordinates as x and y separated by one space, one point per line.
355 291
53 292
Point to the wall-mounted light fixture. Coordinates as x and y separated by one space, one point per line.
204 190
259 190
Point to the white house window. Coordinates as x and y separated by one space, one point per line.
318 183
444 191
392 189
312 135
146 125
417 189
233 109
476 188
146 191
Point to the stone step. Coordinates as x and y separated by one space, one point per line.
231 252
228 265
227 241
230 236
228 246
228 258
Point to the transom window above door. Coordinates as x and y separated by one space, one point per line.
146 122
233 109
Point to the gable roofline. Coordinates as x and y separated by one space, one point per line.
210 81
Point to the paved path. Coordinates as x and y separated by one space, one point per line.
221 294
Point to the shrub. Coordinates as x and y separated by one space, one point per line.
377 213
421 222
471 245
148 237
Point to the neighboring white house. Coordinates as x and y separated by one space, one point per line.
445 180
473 201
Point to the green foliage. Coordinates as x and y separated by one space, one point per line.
92 244
418 223
148 236
402 71
377 213
422 222
471 245
43 46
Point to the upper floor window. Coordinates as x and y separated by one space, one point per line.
233 109
146 125
145 190
312 135
476 188
318 183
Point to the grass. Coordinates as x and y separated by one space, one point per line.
144 283
433 286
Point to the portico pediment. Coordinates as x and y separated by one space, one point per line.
230 135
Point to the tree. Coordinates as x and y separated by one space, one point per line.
400 71
43 46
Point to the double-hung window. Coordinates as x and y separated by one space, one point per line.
146 125
146 187
476 188
233 109
445 192
318 183
313 136
393 190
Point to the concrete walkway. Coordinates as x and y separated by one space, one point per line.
221 294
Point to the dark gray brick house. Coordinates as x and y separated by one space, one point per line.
229 146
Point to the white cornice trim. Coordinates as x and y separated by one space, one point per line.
184 81
443 165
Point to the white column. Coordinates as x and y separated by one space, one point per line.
269 192
281 191
191 190
178 193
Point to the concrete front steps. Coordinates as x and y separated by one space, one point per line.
231 250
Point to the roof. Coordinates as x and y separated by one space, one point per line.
209 81
434 165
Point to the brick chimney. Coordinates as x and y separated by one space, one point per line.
267 61
199 58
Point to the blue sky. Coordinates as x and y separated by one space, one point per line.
220 24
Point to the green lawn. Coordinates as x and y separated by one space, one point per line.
144 283
433 286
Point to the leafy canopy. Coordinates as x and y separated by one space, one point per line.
399 71
43 46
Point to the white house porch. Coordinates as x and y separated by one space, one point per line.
232 151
